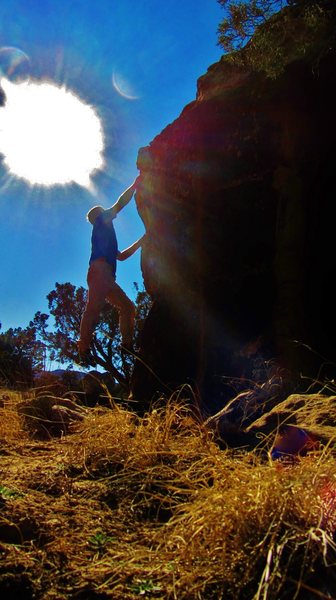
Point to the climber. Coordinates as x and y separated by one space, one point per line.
101 278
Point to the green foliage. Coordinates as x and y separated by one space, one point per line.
242 19
99 542
264 35
142 587
9 494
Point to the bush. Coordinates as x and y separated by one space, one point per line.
15 366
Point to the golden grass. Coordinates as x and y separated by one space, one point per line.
126 507
10 422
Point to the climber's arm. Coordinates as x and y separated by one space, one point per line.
123 200
131 249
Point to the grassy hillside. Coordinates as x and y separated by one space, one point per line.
122 507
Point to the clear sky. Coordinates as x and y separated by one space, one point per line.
136 62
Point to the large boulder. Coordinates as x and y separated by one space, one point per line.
237 198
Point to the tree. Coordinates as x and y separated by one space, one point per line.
16 358
66 304
243 17
277 38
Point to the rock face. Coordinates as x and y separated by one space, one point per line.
315 413
237 198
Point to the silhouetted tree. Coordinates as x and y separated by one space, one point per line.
66 304
16 358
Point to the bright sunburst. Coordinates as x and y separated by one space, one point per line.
48 135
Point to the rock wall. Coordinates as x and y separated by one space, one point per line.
237 197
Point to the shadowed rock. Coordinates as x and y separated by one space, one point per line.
47 416
237 196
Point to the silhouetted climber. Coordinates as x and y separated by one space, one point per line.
101 277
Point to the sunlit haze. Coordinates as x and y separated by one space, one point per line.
49 135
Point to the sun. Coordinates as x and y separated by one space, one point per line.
48 135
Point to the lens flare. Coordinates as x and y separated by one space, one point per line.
14 64
122 87
48 135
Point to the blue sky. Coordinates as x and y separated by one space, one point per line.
156 51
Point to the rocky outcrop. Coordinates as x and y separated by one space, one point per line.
237 198
315 413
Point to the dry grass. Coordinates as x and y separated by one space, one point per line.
124 507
